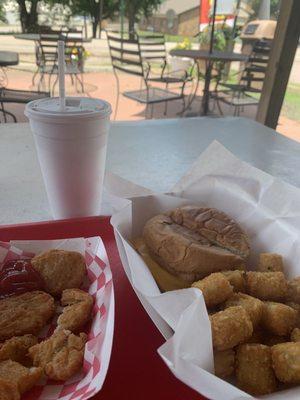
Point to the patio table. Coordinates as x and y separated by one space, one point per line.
211 58
154 154
8 58
36 37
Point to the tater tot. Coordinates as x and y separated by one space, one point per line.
296 307
257 336
270 262
266 285
215 289
230 328
253 306
286 362
224 363
295 335
293 293
254 371
236 279
271 340
279 319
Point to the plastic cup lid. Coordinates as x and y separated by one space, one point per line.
78 107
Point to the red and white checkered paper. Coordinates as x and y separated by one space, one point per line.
100 333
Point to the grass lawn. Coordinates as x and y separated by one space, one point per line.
291 104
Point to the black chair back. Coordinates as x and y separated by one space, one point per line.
255 71
152 47
125 54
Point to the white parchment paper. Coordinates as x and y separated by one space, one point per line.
267 209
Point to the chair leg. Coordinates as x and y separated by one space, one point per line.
219 107
34 76
118 95
53 87
166 102
5 113
152 109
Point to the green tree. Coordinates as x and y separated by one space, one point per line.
2 12
97 10
134 9
275 6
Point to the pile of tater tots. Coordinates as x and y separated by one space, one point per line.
255 322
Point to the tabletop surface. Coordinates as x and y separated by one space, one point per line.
36 37
153 154
206 55
8 58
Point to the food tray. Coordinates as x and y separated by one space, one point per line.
135 369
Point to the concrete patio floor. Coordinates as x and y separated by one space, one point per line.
103 85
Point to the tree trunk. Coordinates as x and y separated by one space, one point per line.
29 20
131 20
95 19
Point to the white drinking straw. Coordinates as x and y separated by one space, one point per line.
61 74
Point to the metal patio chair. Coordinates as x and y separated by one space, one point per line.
47 60
127 56
19 97
247 91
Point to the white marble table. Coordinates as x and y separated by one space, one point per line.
154 154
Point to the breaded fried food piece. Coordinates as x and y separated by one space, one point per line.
236 279
25 313
9 390
60 356
254 371
296 307
293 293
60 270
24 377
230 328
266 285
215 289
295 335
257 336
253 306
270 262
224 363
78 309
16 348
286 362
272 340
279 319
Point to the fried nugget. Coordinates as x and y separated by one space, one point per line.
253 306
272 340
9 390
16 348
257 336
295 335
254 371
286 362
60 270
270 262
78 309
236 279
296 307
60 356
230 328
266 285
25 313
293 293
224 363
215 289
279 319
25 378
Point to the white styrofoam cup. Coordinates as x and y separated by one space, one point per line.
71 147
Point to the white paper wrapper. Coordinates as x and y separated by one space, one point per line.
98 347
268 210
